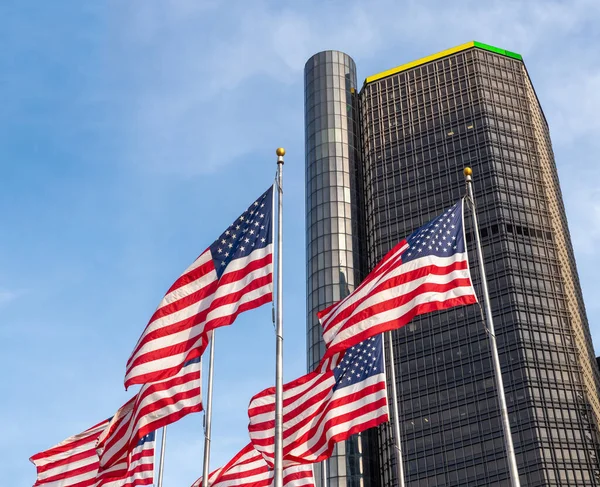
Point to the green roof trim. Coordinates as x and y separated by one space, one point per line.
514 55
497 50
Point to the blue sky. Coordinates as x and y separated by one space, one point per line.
132 133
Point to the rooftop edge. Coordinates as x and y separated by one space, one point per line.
439 55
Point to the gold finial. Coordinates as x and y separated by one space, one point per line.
467 171
280 152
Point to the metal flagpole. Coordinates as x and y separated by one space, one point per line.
208 412
396 417
278 464
510 450
161 465
324 473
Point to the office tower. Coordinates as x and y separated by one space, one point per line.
420 125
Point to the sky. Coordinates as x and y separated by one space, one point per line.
133 133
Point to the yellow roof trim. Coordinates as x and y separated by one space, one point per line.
418 62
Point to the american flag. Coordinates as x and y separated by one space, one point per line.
74 462
323 408
428 271
71 463
233 275
141 469
249 469
155 405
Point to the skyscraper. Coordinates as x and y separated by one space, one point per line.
416 128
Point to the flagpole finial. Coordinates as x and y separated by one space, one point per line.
467 171
280 153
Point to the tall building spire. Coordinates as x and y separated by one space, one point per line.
332 213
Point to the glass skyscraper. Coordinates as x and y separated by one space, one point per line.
384 161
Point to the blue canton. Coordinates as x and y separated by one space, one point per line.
192 361
360 362
250 231
148 437
442 236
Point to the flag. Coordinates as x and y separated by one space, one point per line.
249 469
141 470
154 406
323 408
233 275
71 463
426 272
74 462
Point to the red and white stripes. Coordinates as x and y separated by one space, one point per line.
141 469
197 303
71 463
316 416
249 469
156 405
393 294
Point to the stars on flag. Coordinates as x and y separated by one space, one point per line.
250 231
442 236
359 362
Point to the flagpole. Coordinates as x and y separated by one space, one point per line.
396 417
278 463
208 412
161 465
324 473
510 451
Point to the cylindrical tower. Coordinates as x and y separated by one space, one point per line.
332 214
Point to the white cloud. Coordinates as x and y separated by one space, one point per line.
207 80
7 296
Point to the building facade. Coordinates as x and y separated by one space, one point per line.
417 127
